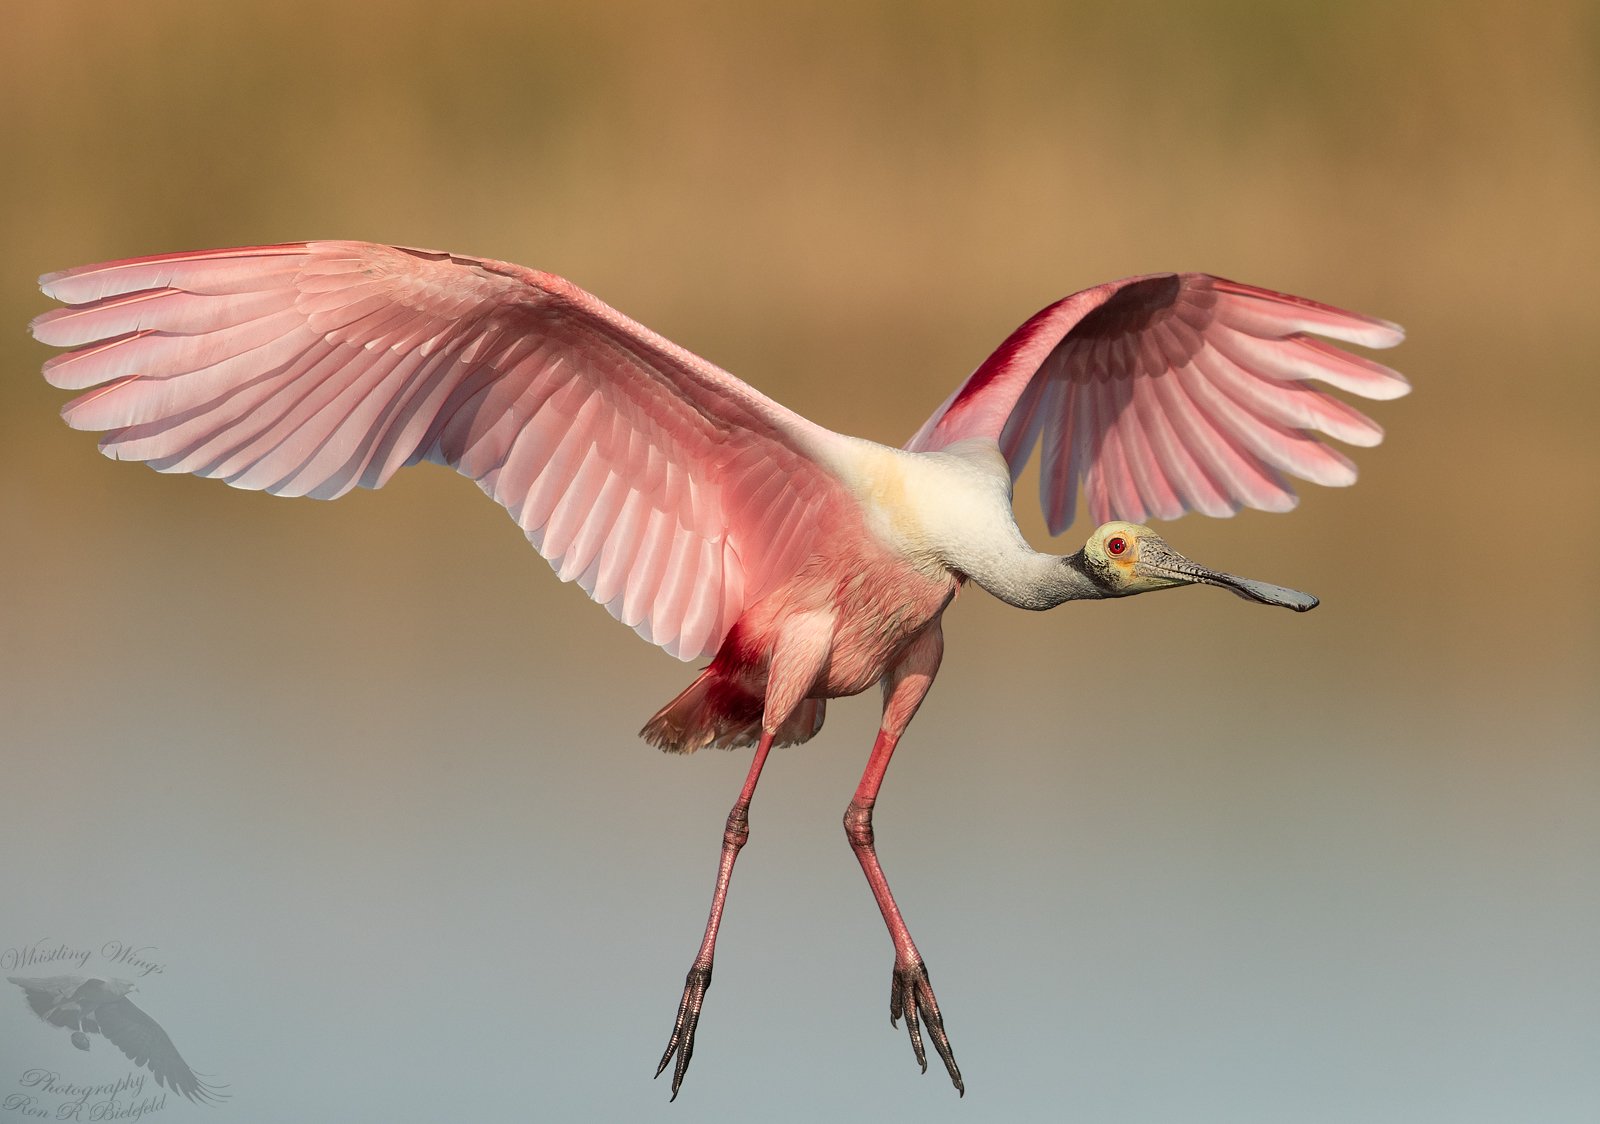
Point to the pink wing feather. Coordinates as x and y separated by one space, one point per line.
1171 393
651 477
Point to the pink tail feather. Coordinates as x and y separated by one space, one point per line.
715 712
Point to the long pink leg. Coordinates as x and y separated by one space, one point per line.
910 992
797 659
699 978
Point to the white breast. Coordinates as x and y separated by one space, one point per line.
944 510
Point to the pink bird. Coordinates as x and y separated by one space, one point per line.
806 564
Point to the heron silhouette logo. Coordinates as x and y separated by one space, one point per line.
85 1006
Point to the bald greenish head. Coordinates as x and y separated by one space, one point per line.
1128 558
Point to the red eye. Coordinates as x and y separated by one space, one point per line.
1116 546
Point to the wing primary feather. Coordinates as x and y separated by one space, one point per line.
1298 357
1196 489
1110 482
1289 450
1155 493
285 460
1298 405
138 353
1057 486
1245 479
172 311
1268 314
211 455
1087 441
356 422
204 271
1023 428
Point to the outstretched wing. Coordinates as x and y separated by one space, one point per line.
141 1038
673 493
47 993
1172 393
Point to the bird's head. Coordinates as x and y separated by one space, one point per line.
1128 558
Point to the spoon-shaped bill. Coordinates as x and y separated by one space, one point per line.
1164 562
1264 592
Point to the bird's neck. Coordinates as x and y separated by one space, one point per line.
1021 576
952 509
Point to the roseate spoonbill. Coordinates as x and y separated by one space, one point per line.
806 564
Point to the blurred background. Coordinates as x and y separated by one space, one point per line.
364 778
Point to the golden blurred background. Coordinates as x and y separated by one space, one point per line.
366 775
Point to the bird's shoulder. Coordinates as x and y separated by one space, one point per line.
915 503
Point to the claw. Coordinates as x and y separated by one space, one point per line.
914 1027
911 994
682 1041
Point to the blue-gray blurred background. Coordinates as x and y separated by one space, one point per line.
364 776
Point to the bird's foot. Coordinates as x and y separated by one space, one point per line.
682 1041
912 995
